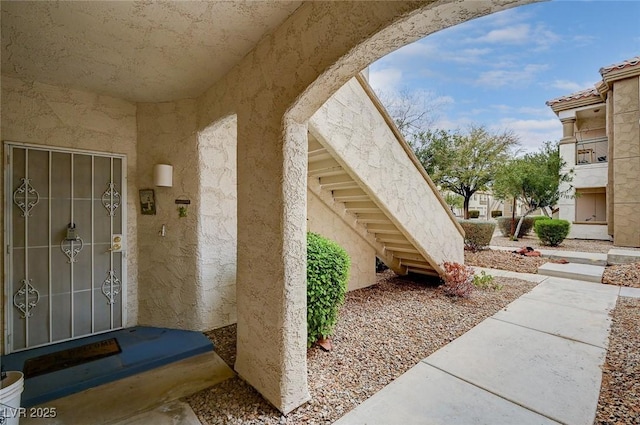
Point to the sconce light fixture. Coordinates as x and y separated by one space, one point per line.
163 175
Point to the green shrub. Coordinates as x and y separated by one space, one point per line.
504 224
496 213
539 217
327 276
485 281
474 213
552 232
477 234
457 280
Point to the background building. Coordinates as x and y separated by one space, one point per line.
601 143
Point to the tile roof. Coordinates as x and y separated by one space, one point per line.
621 65
574 96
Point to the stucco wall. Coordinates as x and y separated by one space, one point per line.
169 287
626 156
322 220
58 117
217 222
363 141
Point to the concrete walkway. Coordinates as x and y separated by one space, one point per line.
537 361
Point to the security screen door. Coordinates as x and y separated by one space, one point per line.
65 226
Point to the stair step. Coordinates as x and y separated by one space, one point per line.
622 256
347 195
584 272
315 156
373 218
395 247
361 207
393 239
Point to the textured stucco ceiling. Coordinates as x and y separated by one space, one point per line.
141 51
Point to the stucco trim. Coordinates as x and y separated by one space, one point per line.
405 146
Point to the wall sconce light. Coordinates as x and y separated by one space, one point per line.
163 175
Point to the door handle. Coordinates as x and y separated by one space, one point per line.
116 243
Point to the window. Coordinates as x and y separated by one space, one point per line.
591 205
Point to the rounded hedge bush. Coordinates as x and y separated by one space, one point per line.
474 213
328 267
477 234
552 232
504 224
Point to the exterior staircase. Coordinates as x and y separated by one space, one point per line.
361 167
333 184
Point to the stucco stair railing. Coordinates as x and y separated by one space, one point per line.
361 167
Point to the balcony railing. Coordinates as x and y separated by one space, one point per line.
592 152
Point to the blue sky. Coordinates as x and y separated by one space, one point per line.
499 70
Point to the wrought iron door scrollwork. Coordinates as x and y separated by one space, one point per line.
26 197
71 250
111 199
26 298
111 287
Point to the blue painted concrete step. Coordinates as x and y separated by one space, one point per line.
143 349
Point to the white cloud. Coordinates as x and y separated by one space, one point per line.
569 86
474 112
532 133
515 34
505 17
502 108
502 77
543 111
385 79
536 37
422 48
474 55
459 123
583 40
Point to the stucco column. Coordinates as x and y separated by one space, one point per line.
271 277
568 130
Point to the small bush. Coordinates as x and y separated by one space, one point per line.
477 234
539 217
496 213
474 213
327 276
485 281
457 280
504 224
552 232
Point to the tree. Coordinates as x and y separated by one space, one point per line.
413 112
533 179
464 163
453 200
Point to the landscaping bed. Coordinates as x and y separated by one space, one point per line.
623 275
383 331
619 401
504 260
580 245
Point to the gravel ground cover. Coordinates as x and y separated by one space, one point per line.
504 260
567 245
623 275
383 331
619 402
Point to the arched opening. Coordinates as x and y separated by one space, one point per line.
302 65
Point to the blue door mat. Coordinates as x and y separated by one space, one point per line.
143 349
